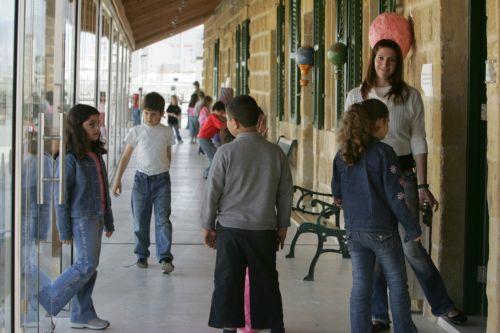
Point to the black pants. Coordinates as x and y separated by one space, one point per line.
237 249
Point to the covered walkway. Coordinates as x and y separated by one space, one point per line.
147 301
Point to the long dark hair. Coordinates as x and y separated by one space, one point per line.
77 140
357 127
399 89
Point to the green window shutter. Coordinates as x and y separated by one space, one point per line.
386 6
319 63
295 88
341 37
355 58
216 70
349 32
245 55
280 60
238 60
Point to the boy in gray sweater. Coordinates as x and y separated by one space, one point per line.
245 216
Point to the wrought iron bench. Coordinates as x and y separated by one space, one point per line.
317 216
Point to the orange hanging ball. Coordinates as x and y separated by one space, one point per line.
392 26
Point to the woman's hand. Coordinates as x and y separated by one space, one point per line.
425 195
337 202
117 188
109 233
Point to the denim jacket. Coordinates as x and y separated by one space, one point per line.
82 195
372 192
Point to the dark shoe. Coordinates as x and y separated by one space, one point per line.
459 318
378 326
142 263
166 266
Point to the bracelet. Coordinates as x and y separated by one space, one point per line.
423 186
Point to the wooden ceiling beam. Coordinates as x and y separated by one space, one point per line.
148 40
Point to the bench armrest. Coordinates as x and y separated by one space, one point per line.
327 210
306 193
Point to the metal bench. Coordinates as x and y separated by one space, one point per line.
314 215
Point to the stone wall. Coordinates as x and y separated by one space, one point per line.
493 155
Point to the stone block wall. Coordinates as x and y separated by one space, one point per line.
493 156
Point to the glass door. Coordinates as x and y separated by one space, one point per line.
46 43
7 50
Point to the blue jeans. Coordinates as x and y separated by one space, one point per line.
149 192
77 282
177 133
209 149
193 126
385 247
421 263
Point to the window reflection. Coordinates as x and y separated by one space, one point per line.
88 51
7 26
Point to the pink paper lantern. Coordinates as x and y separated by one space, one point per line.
391 26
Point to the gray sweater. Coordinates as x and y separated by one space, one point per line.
249 186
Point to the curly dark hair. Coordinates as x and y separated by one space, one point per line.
77 141
357 127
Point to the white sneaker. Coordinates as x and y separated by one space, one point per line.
94 324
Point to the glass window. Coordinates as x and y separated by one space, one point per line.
105 49
7 26
112 101
88 53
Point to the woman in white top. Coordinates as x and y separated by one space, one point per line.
384 81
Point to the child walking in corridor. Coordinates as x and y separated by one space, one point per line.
249 194
212 126
368 184
151 182
85 212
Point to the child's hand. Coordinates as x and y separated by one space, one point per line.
280 238
210 238
117 188
67 241
108 233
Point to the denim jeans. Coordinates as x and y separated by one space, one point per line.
209 149
421 263
385 247
149 192
177 132
77 282
193 126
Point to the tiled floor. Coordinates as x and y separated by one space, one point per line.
146 301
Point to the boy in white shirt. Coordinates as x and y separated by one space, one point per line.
151 182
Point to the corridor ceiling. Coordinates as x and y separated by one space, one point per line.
154 20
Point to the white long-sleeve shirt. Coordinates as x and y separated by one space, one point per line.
407 120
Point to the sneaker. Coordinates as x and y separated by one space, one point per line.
456 316
166 266
142 263
94 324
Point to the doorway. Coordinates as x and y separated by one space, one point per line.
476 239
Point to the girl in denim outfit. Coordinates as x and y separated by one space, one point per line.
81 219
368 184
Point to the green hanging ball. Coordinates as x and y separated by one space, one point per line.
337 54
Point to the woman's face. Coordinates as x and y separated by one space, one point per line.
385 63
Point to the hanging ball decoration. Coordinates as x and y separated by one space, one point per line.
391 26
337 54
304 57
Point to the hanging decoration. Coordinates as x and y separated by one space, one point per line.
337 56
304 57
392 26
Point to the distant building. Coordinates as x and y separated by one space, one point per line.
169 66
